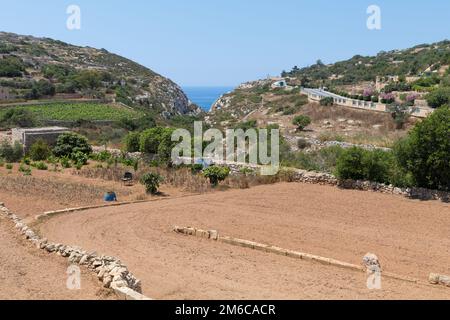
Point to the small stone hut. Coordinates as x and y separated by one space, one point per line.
29 136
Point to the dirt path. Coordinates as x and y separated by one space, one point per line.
410 237
27 273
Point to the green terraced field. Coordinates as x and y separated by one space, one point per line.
77 111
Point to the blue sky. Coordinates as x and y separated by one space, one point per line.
226 42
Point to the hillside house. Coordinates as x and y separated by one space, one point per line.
279 84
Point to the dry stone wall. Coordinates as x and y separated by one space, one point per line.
109 270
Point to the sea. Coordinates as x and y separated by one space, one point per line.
205 96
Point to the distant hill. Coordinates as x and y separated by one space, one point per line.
33 68
416 61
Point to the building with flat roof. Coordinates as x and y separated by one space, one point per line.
28 136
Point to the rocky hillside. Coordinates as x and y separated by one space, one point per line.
412 62
34 68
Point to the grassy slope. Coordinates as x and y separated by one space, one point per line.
85 111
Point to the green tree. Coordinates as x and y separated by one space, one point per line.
425 152
70 143
350 164
301 122
439 97
132 142
150 139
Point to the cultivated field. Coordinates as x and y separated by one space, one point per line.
76 111
409 237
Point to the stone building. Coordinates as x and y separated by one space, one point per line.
30 135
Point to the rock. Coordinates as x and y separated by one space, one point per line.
371 262
50 247
107 281
119 284
30 234
101 273
84 259
213 234
434 278
439 279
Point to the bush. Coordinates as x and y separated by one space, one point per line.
18 118
9 166
328 101
39 151
150 139
196 168
41 166
70 143
157 141
151 182
425 152
439 97
79 158
301 122
216 174
377 165
65 162
11 67
350 164
11 153
132 142
102 156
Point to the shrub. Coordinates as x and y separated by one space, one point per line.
196 168
350 165
328 101
377 165
132 142
79 158
157 141
41 166
439 97
301 122
151 182
9 166
65 162
70 143
150 139
303 144
166 145
39 150
11 153
18 118
216 174
425 152
102 156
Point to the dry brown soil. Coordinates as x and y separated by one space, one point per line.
410 237
28 273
